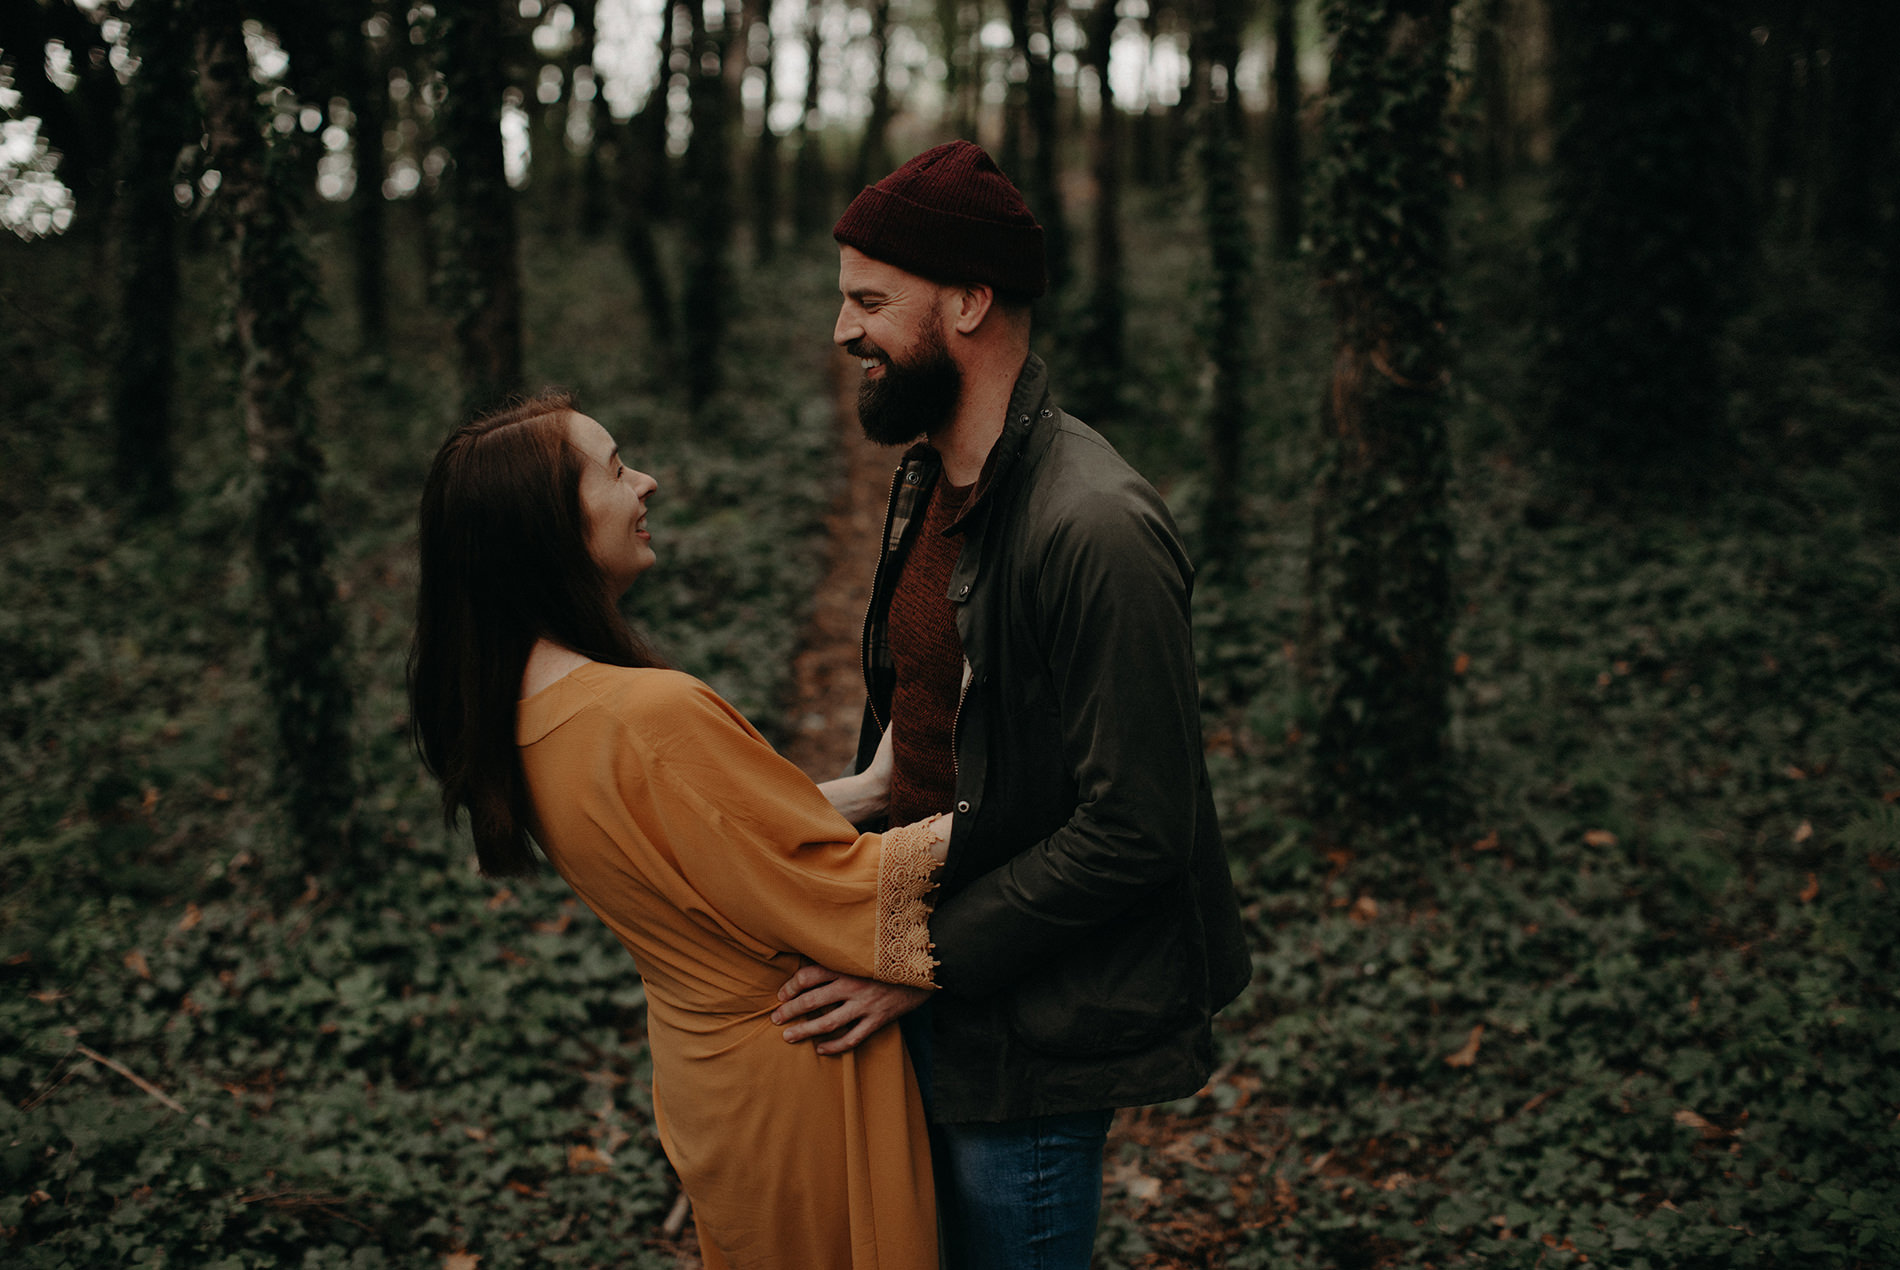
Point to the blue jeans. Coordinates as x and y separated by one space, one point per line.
1019 1194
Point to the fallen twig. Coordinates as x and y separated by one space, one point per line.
141 1082
132 1076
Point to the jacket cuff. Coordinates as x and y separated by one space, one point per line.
906 876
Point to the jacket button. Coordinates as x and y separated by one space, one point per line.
965 590
963 806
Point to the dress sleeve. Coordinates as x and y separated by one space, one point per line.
773 860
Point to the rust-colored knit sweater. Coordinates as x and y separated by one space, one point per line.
929 657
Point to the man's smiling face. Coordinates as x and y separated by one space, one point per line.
892 321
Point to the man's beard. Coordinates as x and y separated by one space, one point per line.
910 398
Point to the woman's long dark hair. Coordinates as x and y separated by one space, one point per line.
504 558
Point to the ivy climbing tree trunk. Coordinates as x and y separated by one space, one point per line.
275 290
1645 236
811 204
1097 377
483 273
765 161
1229 322
157 120
585 101
709 195
365 63
874 158
1381 601
1044 146
1285 167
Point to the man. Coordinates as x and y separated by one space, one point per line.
1028 630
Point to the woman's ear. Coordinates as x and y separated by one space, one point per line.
974 303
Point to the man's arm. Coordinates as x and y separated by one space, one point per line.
865 796
857 1006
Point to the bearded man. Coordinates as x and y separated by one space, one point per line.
1029 632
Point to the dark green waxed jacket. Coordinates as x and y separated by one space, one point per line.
1086 929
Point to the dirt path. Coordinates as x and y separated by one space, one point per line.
829 678
827 674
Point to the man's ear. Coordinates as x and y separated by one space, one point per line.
974 303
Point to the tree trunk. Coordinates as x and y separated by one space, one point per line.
637 238
1284 166
1097 377
1045 152
157 120
1382 542
709 200
585 99
650 155
368 92
960 83
1646 234
303 668
811 203
1230 251
482 273
765 153
874 158
1491 90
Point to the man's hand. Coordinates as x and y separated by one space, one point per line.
842 1009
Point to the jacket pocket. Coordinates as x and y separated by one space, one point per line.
1122 988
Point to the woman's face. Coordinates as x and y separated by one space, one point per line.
614 499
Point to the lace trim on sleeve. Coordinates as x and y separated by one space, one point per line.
906 875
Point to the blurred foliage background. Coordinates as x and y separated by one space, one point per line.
1526 372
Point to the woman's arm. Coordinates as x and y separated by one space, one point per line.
867 795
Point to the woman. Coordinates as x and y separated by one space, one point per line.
716 862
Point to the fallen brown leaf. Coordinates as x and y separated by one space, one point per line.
1600 838
193 915
582 1158
1467 1054
135 962
1812 889
1690 1120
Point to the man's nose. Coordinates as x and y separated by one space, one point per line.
848 327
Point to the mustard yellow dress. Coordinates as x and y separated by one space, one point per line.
721 867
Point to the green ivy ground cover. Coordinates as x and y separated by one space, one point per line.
1644 1013
1672 915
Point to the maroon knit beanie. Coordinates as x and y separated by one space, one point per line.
949 214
